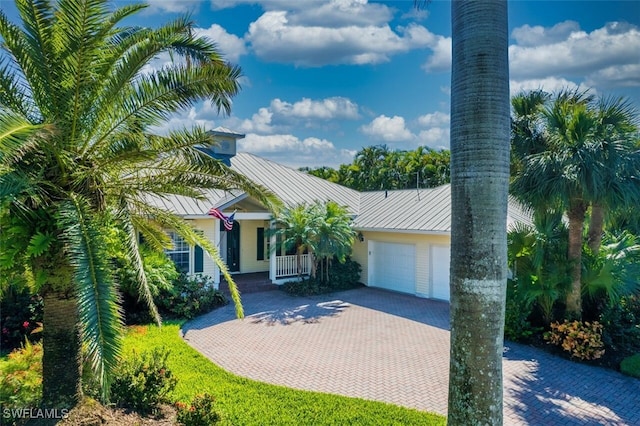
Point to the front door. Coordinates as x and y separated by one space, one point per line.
233 248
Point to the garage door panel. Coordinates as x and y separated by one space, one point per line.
440 261
392 266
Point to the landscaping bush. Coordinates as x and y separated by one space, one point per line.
143 382
621 329
190 297
20 315
199 413
631 366
583 340
21 377
342 276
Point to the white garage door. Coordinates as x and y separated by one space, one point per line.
440 260
392 266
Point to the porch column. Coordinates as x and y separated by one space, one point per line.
272 253
216 242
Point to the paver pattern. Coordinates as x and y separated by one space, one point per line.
390 347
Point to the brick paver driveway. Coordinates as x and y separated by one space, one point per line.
391 347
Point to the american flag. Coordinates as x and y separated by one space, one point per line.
226 220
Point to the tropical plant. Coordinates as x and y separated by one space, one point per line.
78 155
378 167
479 186
614 271
574 153
321 229
538 258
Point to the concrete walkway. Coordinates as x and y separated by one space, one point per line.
390 347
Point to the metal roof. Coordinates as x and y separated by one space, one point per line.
421 211
417 210
293 186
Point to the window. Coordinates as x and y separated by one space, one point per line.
182 253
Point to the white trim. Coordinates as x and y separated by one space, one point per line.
216 243
253 216
402 231
229 203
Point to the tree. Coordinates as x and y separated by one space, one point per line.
321 229
78 155
574 153
479 184
297 228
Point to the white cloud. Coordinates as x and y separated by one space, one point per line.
440 60
291 151
527 35
230 45
601 55
435 119
326 109
615 76
280 115
435 137
389 129
549 84
259 122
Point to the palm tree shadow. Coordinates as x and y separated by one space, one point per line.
590 395
307 313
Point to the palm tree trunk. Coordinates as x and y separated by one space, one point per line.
480 132
61 360
596 227
576 215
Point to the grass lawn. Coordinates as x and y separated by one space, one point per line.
243 401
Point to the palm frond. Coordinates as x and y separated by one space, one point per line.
133 253
98 300
16 135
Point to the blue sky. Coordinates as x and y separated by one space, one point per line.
322 79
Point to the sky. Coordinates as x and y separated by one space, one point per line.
323 79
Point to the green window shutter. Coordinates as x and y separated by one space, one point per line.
198 260
260 244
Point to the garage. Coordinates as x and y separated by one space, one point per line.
440 260
392 266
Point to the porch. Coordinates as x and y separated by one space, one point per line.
254 282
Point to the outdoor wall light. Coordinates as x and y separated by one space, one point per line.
360 237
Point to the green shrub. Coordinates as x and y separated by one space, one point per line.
143 382
583 340
342 276
517 326
20 315
631 366
21 377
190 297
199 413
621 327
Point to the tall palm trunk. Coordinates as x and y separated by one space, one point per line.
480 131
61 360
576 215
596 227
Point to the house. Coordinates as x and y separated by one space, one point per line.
403 235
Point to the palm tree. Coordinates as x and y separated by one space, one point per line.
78 155
335 236
572 154
297 228
479 184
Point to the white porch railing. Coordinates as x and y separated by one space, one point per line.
287 266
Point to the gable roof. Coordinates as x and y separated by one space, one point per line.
410 210
417 210
293 186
